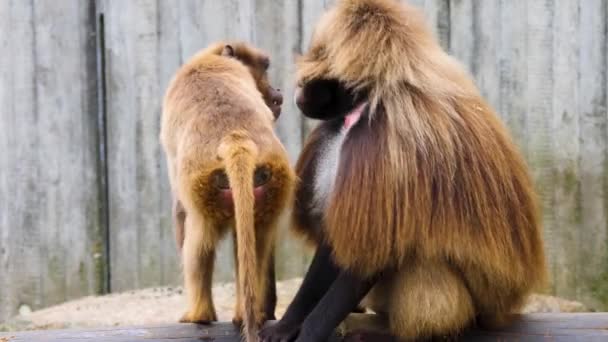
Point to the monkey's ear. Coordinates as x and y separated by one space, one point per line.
228 51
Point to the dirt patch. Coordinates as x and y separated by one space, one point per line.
166 304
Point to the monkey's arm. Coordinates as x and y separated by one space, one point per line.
344 295
320 276
318 279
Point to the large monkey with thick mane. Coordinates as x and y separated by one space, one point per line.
228 171
414 194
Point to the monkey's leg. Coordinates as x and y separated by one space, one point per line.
321 274
270 302
267 285
198 260
345 294
179 218
237 319
428 299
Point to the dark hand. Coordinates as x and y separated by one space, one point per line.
308 333
279 332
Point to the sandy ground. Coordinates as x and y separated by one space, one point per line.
166 304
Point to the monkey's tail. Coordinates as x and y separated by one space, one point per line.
239 155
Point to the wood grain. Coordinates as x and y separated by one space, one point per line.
358 327
50 237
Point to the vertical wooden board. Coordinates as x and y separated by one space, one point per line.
310 13
462 39
67 112
169 55
204 22
6 296
540 21
278 32
486 34
438 15
592 258
49 168
513 68
20 167
565 148
474 35
134 154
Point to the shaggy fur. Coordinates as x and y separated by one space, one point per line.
430 189
218 137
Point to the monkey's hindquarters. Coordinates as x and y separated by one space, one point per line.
238 153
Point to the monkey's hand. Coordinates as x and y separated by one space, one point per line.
279 332
202 318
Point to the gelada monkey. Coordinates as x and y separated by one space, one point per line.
228 172
413 192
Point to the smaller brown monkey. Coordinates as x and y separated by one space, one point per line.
228 171
257 63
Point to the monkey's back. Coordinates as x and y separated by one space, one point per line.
212 94
209 98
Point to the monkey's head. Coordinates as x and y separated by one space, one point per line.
258 63
359 51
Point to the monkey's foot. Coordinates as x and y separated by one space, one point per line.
237 320
279 332
199 318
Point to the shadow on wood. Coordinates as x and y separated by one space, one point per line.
358 327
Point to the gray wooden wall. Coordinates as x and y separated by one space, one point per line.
84 199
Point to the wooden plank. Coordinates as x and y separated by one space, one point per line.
592 280
533 327
438 16
513 69
461 34
170 57
134 153
20 166
564 123
50 229
539 52
277 31
474 35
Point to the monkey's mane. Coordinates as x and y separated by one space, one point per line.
433 172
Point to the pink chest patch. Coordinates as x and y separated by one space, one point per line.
353 117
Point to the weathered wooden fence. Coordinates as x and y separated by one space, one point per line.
84 198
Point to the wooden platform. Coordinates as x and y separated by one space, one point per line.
361 328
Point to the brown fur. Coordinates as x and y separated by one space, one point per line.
432 186
215 119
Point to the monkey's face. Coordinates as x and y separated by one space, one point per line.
274 100
258 63
325 90
356 53
327 99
